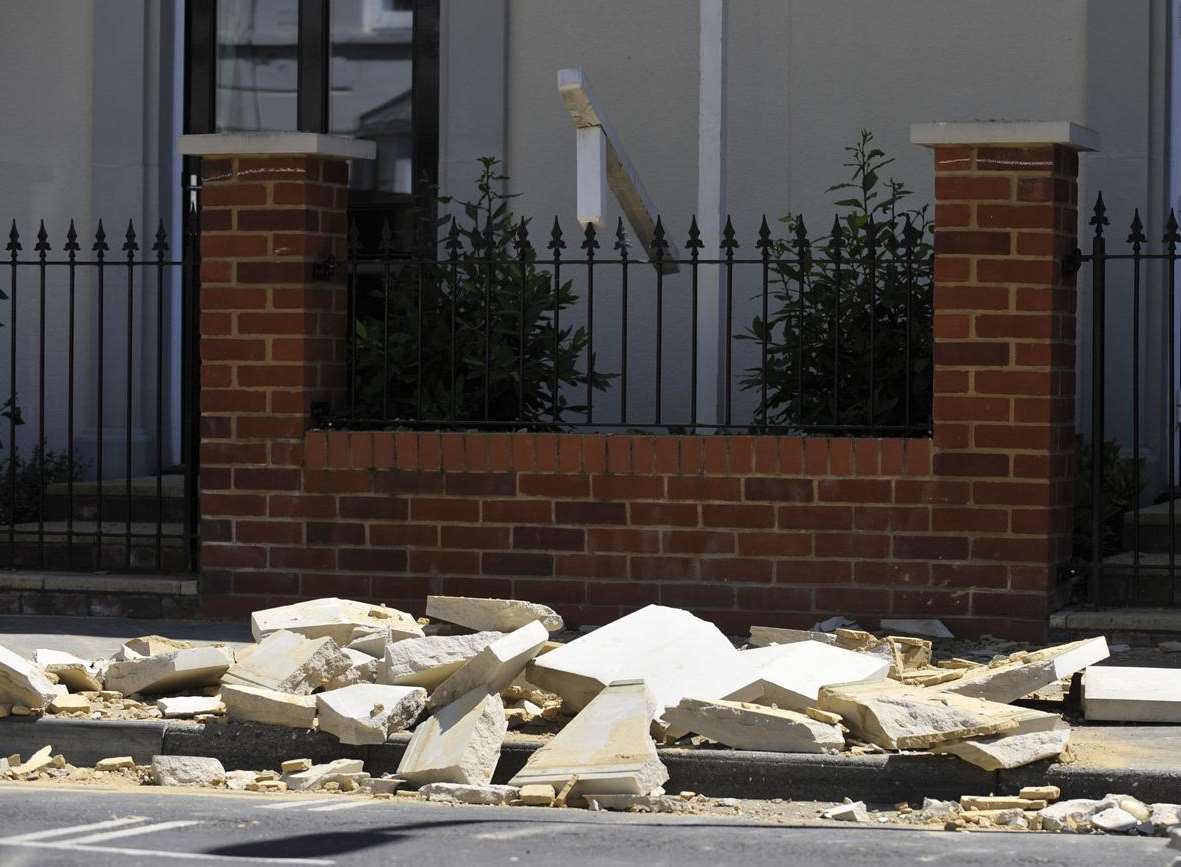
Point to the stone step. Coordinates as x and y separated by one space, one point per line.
91 547
98 595
1154 528
143 503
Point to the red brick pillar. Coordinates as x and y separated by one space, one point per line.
272 342
1006 213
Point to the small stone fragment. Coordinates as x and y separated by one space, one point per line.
151 645
1040 793
342 620
77 674
469 794
318 775
823 716
187 771
256 704
70 703
294 766
40 760
385 785
368 713
500 615
117 763
999 802
239 780
639 803
183 706
854 812
1114 820
536 795
21 710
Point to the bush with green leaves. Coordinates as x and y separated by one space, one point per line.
471 336
849 327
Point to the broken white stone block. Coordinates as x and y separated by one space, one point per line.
179 707
498 615
764 636
170 672
794 680
494 667
459 744
927 628
1113 820
936 809
23 682
754 727
115 763
536 795
1164 816
854 812
1009 751
1040 793
642 803
317 775
288 662
368 713
607 746
1076 812
255 704
76 673
1006 682
69 703
1128 694
342 620
429 661
362 669
187 771
671 650
238 780
466 794
895 716
153 645
40 760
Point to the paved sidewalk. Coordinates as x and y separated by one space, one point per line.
96 637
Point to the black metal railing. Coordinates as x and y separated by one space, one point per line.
84 479
1126 516
830 336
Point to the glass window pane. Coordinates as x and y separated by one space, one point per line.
256 64
370 98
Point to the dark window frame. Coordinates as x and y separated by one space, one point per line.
312 97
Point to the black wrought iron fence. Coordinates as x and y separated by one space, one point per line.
827 336
88 478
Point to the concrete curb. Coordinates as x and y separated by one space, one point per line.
879 779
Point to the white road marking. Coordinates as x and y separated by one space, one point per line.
287 805
131 832
156 853
73 829
544 828
346 805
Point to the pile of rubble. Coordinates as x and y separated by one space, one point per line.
461 677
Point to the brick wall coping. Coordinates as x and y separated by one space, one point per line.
1006 132
617 454
276 143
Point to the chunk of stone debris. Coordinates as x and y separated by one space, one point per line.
23 682
385 785
854 812
999 802
368 713
895 716
288 662
1129 694
1164 816
187 771
1003 752
1113 820
536 795
607 746
40 760
116 763
255 704
239 780
459 744
794 680
833 719
642 803
342 620
70 703
1005 681
429 661
151 645
317 775
494 667
182 706
295 766
362 669
467 794
927 628
177 670
674 652
498 615
1040 793
77 674
765 636
1073 814
754 727
936 809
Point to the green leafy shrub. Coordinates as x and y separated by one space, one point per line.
848 303
1120 493
486 297
28 478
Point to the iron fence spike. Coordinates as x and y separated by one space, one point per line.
100 241
161 243
42 245
130 245
14 243
71 245
1172 235
1137 236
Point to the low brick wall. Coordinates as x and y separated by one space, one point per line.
769 530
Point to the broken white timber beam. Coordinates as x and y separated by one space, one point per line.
602 163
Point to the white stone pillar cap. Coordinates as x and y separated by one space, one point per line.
1005 132
276 143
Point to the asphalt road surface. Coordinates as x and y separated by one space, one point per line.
104 829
